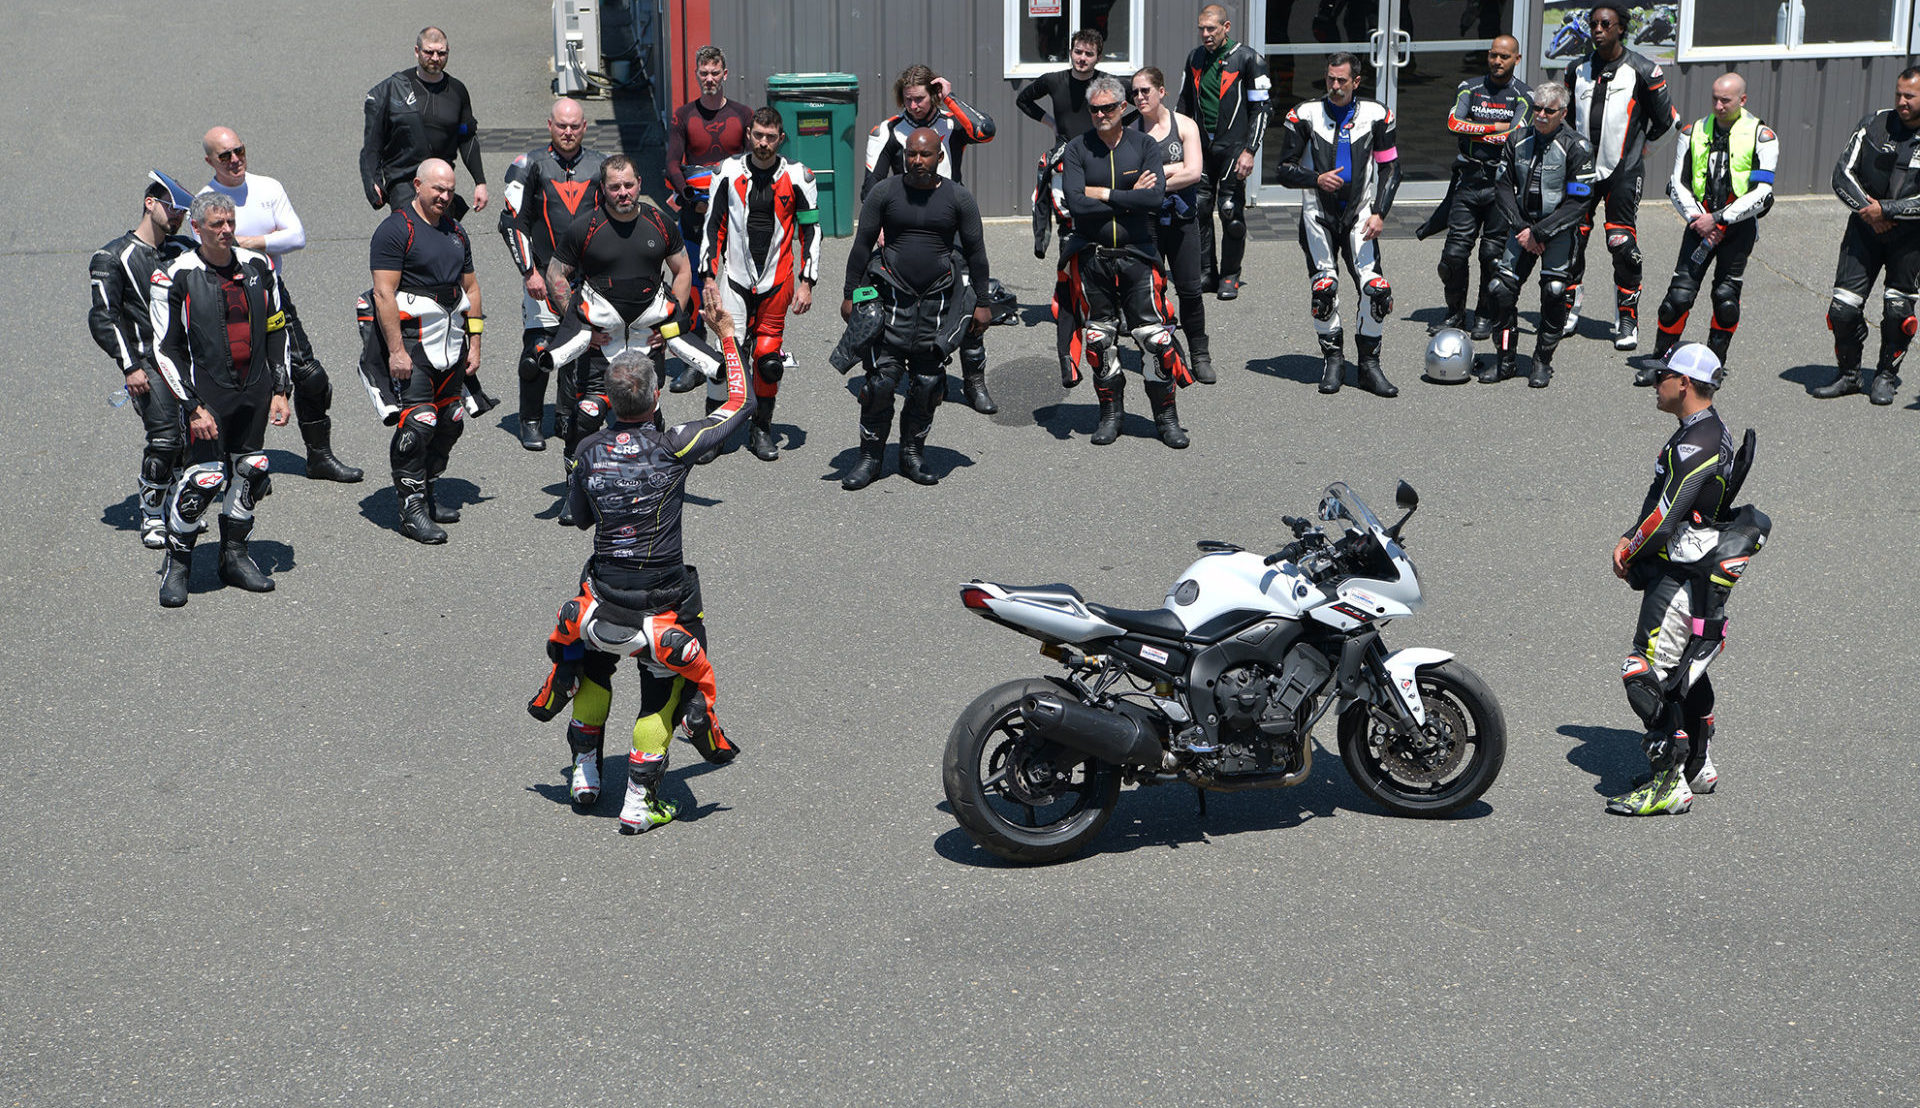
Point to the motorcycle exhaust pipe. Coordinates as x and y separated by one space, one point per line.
1108 736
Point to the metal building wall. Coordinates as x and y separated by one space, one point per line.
876 39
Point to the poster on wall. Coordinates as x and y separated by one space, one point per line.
1652 29
1043 9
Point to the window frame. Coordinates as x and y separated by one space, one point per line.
1901 23
1013 11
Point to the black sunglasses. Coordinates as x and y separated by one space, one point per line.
238 153
1103 109
1141 91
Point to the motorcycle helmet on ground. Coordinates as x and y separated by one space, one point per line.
1449 357
1004 305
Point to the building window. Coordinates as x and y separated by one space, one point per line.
1741 29
1039 31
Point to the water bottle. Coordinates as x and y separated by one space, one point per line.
1703 251
118 397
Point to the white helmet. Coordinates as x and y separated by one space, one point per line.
1449 357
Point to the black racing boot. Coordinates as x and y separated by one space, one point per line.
533 398
1371 377
1456 321
1885 384
530 436
565 518
867 469
438 512
1333 364
236 568
1201 363
1482 319
1542 374
321 464
415 521
1845 383
1112 409
912 464
760 435
1166 420
176 569
973 380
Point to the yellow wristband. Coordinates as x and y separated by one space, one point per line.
475 326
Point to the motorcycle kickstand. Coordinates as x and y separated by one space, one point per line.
1201 795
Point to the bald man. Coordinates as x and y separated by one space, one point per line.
548 190
1722 184
1485 111
265 222
422 342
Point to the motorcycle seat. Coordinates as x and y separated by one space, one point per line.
1152 621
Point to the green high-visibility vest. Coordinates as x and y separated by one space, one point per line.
1741 145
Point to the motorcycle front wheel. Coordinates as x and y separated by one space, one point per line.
1444 768
1023 798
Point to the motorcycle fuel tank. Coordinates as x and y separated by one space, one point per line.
1239 581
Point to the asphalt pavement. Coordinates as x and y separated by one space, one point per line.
307 848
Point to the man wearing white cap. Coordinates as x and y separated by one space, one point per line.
1693 481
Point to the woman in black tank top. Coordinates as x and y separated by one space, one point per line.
1179 235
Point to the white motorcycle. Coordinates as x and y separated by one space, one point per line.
1221 688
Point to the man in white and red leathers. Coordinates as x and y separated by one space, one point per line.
762 247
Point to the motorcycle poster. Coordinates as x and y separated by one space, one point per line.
1652 30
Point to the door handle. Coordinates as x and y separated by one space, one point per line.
1402 48
1377 49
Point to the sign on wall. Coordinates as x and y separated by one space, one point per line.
1652 29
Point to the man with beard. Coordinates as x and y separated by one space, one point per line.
1065 90
427 326
921 214
1485 112
618 251
222 349
267 223
1114 187
763 242
927 103
1874 177
702 135
414 115
1619 105
120 276
1341 153
547 191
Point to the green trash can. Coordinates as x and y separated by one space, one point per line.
819 109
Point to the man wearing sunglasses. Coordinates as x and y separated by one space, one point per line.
1066 91
1619 105
265 222
414 115
121 278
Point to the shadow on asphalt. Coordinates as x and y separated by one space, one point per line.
124 516
613 775
1303 368
1170 817
1065 421
1611 754
1808 376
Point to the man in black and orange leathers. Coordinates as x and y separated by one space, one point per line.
637 595
1225 91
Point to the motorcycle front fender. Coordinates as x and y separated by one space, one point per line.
1401 666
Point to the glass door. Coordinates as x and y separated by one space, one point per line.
1413 54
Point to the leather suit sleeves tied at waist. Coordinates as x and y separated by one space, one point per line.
628 482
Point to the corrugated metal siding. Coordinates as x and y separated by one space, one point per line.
876 39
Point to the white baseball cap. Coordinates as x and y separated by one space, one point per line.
1697 362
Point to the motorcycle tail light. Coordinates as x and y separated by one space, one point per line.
975 598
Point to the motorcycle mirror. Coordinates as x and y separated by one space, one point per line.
1330 509
1405 498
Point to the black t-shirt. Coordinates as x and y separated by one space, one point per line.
424 254
760 210
622 261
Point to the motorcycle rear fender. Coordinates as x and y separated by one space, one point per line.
1402 666
1049 614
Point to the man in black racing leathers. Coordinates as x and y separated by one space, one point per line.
1341 153
1114 185
927 102
1619 105
1682 625
1544 189
628 484
1225 90
1487 113
417 114
1876 178
120 278
929 310
547 191
221 345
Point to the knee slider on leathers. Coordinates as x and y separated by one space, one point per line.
196 489
1897 313
770 368
1726 303
1379 294
1326 295
312 391
251 482
1624 245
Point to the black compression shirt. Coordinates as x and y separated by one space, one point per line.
921 225
622 261
1068 97
760 210
1127 217
424 255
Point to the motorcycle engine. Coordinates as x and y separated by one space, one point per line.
1256 731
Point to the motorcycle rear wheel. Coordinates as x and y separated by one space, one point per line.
1022 798
1454 761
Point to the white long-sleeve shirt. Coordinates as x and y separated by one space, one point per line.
261 207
